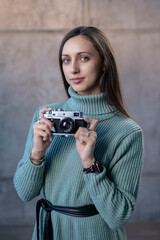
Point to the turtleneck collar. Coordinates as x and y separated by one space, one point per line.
92 106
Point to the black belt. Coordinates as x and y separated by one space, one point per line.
84 211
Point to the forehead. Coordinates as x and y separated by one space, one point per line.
78 44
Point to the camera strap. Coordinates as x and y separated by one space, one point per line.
84 211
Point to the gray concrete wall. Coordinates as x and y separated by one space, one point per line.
30 34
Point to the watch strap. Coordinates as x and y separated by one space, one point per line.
96 167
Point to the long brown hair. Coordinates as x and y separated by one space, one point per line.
109 83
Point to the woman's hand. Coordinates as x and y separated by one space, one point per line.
85 142
41 135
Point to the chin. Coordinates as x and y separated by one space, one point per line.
80 91
78 88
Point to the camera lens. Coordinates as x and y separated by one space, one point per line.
67 125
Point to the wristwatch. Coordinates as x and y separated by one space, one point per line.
96 167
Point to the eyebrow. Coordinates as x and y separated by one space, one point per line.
79 53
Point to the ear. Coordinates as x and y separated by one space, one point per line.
104 66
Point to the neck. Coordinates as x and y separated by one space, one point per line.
93 106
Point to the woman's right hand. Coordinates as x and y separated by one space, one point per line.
42 133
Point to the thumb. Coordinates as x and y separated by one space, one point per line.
92 122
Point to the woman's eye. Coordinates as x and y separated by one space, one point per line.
84 59
66 60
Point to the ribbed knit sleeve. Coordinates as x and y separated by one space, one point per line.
28 178
114 191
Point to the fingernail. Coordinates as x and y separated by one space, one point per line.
49 108
53 129
85 117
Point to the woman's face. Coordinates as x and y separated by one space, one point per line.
82 65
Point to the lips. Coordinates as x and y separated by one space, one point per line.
77 80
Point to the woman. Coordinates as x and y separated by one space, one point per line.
99 167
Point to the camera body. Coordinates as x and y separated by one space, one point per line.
66 123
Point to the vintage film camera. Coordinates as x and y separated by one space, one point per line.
66 123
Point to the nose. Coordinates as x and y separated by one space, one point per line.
74 67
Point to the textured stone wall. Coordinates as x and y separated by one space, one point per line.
30 34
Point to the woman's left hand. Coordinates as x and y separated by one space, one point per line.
85 142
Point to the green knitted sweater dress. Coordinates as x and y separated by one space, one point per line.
60 179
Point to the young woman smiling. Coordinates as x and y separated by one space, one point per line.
89 182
